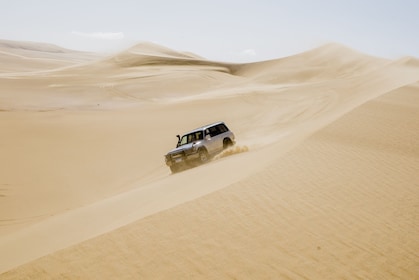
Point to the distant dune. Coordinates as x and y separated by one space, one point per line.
323 182
31 56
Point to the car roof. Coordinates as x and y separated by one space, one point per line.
203 127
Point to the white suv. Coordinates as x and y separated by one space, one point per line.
199 145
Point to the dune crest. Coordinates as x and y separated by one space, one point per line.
150 54
149 48
326 139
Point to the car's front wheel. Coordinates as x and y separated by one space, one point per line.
175 168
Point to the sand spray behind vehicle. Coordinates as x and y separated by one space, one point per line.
232 151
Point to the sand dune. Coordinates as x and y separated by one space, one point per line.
323 183
328 62
30 56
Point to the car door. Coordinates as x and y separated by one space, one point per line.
208 141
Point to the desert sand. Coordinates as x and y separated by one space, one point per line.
323 182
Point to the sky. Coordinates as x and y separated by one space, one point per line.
223 30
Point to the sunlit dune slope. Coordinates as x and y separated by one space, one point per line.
340 205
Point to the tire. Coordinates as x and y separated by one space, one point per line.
227 143
203 155
174 168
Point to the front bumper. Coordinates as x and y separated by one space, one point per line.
170 160
181 158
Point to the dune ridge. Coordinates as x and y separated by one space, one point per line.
326 140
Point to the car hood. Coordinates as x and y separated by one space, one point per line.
180 149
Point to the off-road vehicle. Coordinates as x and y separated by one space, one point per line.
199 146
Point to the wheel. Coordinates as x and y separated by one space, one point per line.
227 143
174 168
203 155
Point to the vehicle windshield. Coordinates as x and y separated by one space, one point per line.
191 137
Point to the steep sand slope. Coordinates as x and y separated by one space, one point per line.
343 204
84 149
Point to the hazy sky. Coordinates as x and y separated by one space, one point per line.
226 30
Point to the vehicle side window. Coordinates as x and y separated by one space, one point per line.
189 138
216 130
184 140
199 135
222 128
213 131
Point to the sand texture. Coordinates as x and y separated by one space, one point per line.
323 182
